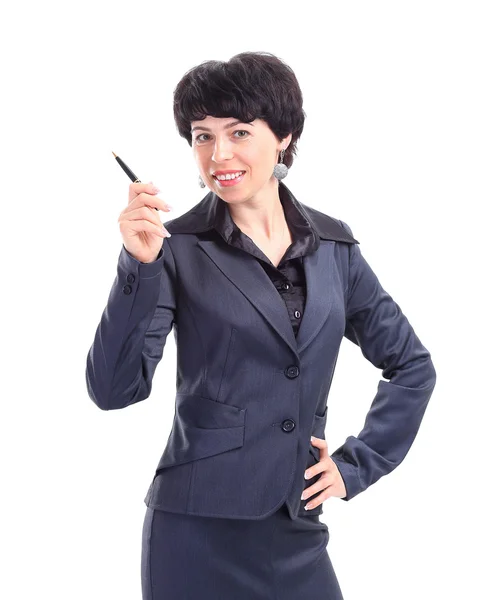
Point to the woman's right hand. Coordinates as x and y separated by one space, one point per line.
140 226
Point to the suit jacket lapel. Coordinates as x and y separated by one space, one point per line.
318 301
244 271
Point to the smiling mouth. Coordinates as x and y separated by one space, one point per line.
230 179
227 183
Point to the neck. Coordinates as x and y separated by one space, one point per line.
260 216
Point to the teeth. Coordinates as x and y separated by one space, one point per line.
228 176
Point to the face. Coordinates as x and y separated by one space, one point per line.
225 144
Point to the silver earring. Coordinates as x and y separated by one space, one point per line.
201 182
280 170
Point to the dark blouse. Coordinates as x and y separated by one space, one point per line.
288 277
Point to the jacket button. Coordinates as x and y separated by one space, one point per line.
288 425
127 289
130 278
292 372
285 285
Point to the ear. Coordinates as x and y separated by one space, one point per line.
286 141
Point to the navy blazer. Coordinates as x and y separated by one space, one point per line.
249 394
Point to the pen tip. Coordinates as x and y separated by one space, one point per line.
114 154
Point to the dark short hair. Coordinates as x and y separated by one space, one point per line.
251 85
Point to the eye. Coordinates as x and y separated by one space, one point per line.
241 131
198 138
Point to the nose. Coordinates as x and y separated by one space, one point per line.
222 151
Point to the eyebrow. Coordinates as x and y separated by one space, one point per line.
231 124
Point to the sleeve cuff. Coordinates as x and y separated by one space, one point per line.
130 264
350 476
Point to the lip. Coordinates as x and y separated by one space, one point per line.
229 182
226 172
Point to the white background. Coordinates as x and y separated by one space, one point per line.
389 146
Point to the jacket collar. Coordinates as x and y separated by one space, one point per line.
212 213
244 271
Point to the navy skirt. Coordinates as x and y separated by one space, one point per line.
186 557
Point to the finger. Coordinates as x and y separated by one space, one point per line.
315 469
144 225
152 201
140 213
324 495
137 188
322 445
316 487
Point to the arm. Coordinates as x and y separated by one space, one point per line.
376 324
131 335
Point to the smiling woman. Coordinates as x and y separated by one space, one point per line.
239 117
260 290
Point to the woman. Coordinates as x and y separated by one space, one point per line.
260 289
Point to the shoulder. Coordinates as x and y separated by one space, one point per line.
329 227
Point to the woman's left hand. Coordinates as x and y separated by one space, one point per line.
330 483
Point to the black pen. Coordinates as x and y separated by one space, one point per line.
128 171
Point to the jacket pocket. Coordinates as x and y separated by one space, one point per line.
202 427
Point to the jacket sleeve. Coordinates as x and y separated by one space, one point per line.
131 335
376 324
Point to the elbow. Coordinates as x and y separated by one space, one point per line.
114 393
418 372
424 373
100 399
431 374
95 380
104 402
108 400
98 393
